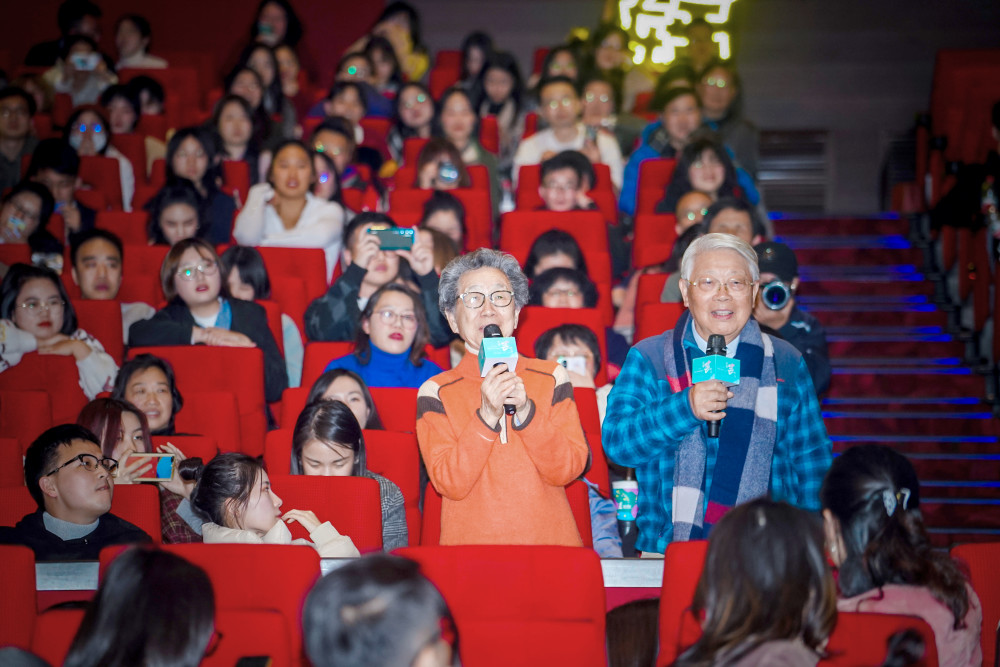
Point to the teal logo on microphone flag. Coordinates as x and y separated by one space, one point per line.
716 367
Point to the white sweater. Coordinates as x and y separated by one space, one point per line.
321 225
532 148
325 538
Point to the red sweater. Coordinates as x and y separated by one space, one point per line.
494 492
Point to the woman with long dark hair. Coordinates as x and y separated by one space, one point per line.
877 539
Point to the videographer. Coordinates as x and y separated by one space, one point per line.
777 313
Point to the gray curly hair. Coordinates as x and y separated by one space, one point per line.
481 259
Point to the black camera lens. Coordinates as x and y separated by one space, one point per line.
775 295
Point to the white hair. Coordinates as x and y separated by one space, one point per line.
710 242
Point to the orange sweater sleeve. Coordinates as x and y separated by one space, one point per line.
552 434
454 459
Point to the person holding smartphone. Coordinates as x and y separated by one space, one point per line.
124 434
80 71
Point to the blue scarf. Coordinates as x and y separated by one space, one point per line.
746 438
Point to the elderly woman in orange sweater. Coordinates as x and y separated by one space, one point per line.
501 476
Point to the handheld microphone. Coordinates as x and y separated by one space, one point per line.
497 349
716 366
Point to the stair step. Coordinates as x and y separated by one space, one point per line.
914 316
832 227
859 346
858 257
887 286
845 242
904 424
928 404
901 361
923 445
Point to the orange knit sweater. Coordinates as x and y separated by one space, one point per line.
495 492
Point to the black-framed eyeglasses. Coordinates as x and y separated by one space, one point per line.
500 298
90 463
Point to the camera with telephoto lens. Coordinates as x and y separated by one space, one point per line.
775 295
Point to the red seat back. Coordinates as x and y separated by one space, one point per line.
861 639
351 504
103 174
193 446
536 320
654 176
683 563
56 375
529 177
652 319
133 147
17 604
273 311
236 176
551 599
239 370
129 226
376 132
654 240
144 260
981 560
478 212
185 92
289 292
318 355
103 321
11 462
397 407
489 134
15 253
521 228
650 288
307 264
441 79
55 630
24 415
150 125
212 414
411 152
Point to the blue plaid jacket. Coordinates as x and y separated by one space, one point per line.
646 421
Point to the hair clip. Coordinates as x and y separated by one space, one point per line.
905 493
889 500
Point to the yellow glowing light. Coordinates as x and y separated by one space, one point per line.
722 39
655 19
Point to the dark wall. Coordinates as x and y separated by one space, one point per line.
219 27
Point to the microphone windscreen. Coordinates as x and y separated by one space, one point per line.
492 331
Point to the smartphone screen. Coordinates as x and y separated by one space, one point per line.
575 364
394 238
163 466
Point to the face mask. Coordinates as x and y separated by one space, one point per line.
100 140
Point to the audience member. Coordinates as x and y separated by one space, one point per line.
121 105
387 75
777 313
328 442
89 133
233 492
389 344
336 314
413 118
200 310
123 430
358 69
502 478
877 540
772 440
346 99
192 156
633 633
561 182
277 23
444 213
17 108
458 122
24 217
477 47
132 37
554 248
334 136
147 382
722 109
701 48
233 123
81 71
75 17
295 85
260 58
246 82
726 216
559 61
347 387
679 75
606 55
284 213
247 279
71 481
666 138
704 165
32 84
601 109
440 167
499 92
400 24
152 97
379 610
327 186
560 108
766 594
36 315
96 259
151 608
176 212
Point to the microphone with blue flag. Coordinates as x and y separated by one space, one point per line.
716 366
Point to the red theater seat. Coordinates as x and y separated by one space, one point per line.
103 174
239 370
376 133
133 147
350 504
397 407
129 226
212 414
981 560
282 577
654 239
536 320
24 415
307 264
103 321
654 176
236 176
478 212
17 603
652 319
56 375
521 228
489 134
521 605
11 462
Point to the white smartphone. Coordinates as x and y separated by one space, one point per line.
575 364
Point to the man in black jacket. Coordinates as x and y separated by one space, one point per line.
71 481
779 265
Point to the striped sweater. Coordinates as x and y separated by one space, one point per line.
495 492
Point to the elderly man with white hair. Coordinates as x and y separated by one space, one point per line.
772 440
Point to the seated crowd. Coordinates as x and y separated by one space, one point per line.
362 246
